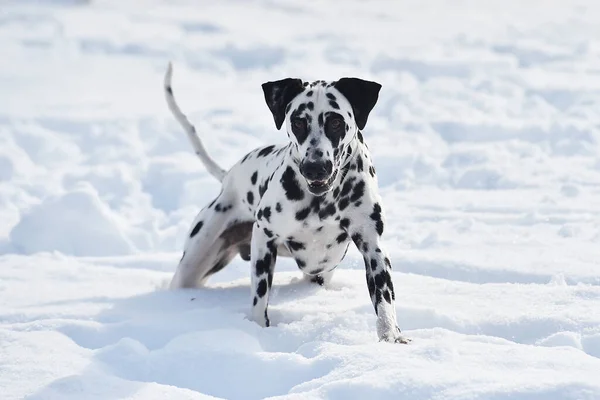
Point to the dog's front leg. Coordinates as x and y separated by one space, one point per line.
262 257
379 281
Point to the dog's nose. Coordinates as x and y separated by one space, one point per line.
316 171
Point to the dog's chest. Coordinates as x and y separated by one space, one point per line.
320 250
314 234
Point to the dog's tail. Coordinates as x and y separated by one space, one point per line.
210 164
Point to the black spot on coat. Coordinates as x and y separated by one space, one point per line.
376 216
386 296
372 170
327 211
263 188
343 203
290 184
359 163
358 191
221 208
360 137
390 285
373 264
261 290
267 213
263 265
302 214
196 229
379 278
268 232
346 188
371 285
266 151
357 239
295 246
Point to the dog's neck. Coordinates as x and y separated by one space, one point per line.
355 147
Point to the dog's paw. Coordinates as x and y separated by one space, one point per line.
394 337
321 279
261 319
317 279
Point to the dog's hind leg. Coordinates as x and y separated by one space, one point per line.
213 241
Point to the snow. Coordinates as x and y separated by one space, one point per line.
55 224
487 148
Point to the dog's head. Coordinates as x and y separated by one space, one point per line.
321 119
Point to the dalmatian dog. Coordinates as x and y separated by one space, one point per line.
308 199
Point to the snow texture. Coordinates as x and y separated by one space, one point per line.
485 139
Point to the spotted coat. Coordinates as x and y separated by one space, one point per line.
271 206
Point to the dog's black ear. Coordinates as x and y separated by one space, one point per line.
278 95
362 96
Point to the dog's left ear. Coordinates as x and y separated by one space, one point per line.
362 96
279 94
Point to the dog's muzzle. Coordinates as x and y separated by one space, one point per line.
318 175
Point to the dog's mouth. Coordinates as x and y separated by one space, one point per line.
317 187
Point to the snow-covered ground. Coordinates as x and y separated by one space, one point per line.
486 140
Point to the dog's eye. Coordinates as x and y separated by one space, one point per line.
299 128
298 124
335 124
